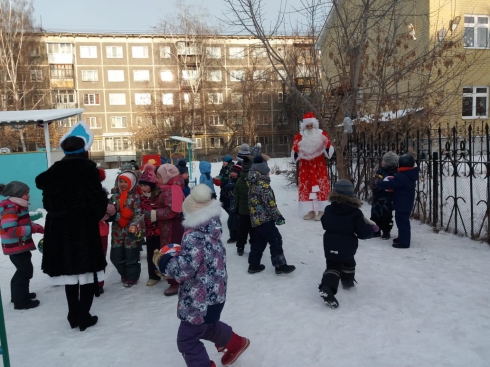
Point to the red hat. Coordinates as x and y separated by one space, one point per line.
237 168
309 118
148 176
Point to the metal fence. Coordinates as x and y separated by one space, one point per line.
454 188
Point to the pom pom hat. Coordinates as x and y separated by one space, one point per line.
309 118
148 176
199 198
237 168
167 172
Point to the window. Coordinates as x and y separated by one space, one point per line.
118 122
302 71
237 76
97 146
190 74
114 52
115 75
165 52
281 74
36 75
262 120
240 140
166 76
59 71
139 52
236 98
263 140
280 97
90 76
91 99
69 122
215 120
213 52
261 98
237 53
475 102
35 51
93 122
37 99
216 142
168 121
65 96
198 144
59 48
259 52
117 99
282 120
260 75
192 97
141 75
88 52
188 48
283 140
168 99
215 98
214 75
142 99
476 31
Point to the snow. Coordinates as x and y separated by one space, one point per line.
425 306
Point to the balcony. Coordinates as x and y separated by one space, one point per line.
64 58
65 105
62 83
190 84
119 155
305 83
191 60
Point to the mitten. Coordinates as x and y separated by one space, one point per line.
375 228
280 221
217 181
37 228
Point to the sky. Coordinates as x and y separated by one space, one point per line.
126 16
426 306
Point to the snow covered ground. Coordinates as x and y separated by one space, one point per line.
425 306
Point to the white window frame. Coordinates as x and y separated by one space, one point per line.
236 53
165 52
97 146
214 140
480 31
119 122
213 52
237 75
168 121
55 48
36 75
93 122
236 98
190 74
187 99
281 74
475 95
167 99
283 140
280 97
90 99
166 75
114 52
141 75
65 96
139 52
215 98
90 75
263 119
117 99
260 75
142 99
259 52
264 140
214 76
215 120
115 76
198 144
88 52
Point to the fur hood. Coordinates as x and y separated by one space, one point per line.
352 201
201 216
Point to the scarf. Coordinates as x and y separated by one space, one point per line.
403 169
19 201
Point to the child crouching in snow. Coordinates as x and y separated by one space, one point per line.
344 224
200 268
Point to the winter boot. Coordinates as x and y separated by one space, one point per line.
319 216
239 251
27 305
91 321
236 346
377 234
309 216
31 296
386 236
397 245
172 290
231 240
151 282
328 297
346 284
285 269
256 269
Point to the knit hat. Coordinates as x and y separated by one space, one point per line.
406 160
199 198
344 187
256 150
260 165
246 164
182 167
227 158
129 177
237 168
148 176
167 172
391 159
14 189
244 149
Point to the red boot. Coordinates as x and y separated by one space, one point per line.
234 349
173 289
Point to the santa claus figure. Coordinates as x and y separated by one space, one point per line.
310 146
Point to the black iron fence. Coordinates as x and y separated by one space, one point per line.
453 191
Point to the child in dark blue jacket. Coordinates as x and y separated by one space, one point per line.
403 184
344 224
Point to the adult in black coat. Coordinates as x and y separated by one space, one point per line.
75 202
344 224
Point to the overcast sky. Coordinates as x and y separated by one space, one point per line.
126 16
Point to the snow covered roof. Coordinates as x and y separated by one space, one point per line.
36 116
390 115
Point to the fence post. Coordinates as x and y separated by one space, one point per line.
435 189
3 337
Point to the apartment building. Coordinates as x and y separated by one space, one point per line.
138 90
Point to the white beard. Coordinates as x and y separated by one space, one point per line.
312 144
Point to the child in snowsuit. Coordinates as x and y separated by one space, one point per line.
168 212
205 169
264 216
200 264
224 176
149 197
16 233
382 204
184 172
241 203
403 184
125 252
229 204
344 224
